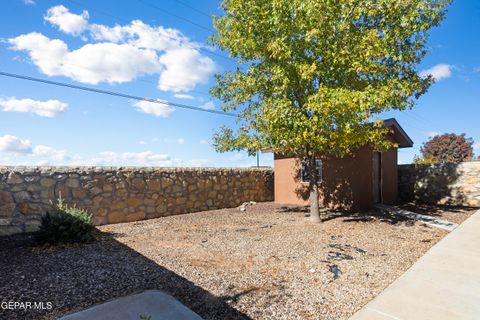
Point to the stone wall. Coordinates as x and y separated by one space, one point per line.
115 195
451 184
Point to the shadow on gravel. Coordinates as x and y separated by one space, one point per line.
77 277
347 216
435 210
286 209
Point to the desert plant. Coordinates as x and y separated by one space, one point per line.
66 224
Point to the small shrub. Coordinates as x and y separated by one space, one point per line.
67 224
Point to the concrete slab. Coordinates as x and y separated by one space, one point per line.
431 221
443 284
153 303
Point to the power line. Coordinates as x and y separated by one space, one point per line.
194 9
113 93
200 48
177 16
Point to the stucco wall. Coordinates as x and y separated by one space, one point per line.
115 195
390 176
347 182
453 184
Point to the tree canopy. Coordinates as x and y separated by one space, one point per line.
314 74
448 147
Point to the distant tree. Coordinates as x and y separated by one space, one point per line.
314 74
449 147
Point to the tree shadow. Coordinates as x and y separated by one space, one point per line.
77 277
293 209
431 184
435 209
350 216
369 216
335 190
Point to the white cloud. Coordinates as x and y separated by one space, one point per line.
476 146
145 158
123 53
49 152
66 21
142 35
29 2
142 142
113 34
12 144
92 63
15 145
157 109
208 105
49 108
204 141
438 72
46 54
109 62
24 153
183 96
46 155
184 69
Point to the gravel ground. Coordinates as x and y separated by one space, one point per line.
454 214
264 263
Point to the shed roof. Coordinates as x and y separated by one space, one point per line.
400 136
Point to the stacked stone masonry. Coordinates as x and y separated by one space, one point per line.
114 194
450 184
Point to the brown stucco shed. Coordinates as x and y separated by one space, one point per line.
354 182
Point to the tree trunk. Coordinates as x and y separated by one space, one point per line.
314 212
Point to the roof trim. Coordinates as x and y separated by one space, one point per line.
404 141
401 137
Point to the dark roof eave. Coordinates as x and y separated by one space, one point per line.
401 137
405 141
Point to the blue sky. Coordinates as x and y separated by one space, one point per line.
139 47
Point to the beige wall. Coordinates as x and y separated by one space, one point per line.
347 182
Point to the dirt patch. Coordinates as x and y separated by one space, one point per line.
262 263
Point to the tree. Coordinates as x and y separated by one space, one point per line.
314 74
449 147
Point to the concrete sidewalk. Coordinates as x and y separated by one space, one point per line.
429 220
151 304
443 284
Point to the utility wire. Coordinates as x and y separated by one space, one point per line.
113 93
200 48
194 9
176 16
